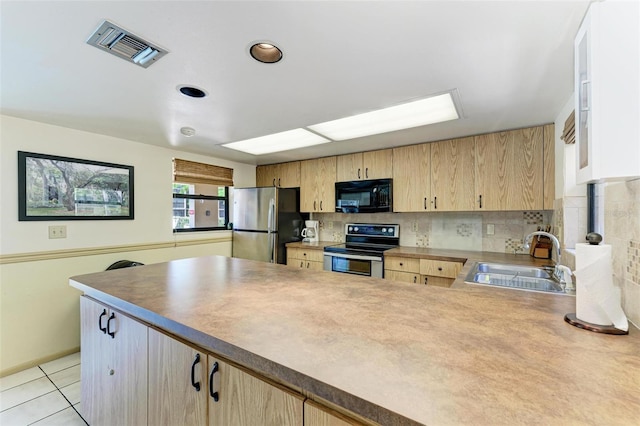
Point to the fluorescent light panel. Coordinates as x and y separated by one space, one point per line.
284 141
413 114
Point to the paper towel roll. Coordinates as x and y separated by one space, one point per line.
597 300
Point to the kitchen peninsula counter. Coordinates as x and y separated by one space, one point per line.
394 353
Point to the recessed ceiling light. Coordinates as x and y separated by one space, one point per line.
431 110
188 131
284 141
192 92
265 52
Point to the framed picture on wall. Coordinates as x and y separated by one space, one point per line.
61 188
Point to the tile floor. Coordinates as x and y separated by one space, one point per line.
46 395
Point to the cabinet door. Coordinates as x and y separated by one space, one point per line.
288 175
349 167
267 175
243 399
173 369
405 277
436 281
509 170
378 164
314 266
452 175
326 183
113 369
94 357
316 415
308 187
411 178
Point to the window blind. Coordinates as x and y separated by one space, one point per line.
569 131
185 171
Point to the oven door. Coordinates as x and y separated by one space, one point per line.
370 266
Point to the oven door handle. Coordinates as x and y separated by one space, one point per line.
353 256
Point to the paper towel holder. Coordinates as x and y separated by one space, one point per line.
605 329
593 238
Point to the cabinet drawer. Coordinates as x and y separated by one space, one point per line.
439 268
304 254
405 277
402 264
311 255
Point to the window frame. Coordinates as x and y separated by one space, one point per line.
224 198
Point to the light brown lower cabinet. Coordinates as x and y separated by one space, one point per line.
184 380
177 382
133 374
113 366
243 399
310 259
421 271
317 415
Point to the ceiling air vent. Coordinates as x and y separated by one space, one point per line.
126 45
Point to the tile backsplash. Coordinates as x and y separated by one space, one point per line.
476 231
622 231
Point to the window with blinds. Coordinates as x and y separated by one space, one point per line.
200 196
569 131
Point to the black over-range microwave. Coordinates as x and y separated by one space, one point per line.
364 196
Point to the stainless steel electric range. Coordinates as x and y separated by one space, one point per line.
362 253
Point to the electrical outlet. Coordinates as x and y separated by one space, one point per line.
491 229
330 225
414 226
57 232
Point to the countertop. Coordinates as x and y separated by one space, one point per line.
316 245
395 353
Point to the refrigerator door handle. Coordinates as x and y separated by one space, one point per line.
270 229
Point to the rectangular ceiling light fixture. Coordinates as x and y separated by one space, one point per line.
431 110
284 141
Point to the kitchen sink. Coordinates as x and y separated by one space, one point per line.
514 276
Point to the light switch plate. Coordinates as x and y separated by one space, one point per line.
57 232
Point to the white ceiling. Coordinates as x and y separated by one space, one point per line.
510 61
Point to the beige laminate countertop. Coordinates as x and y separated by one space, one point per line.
316 245
395 353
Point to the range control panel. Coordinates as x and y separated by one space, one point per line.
374 230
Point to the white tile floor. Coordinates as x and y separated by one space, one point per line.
46 395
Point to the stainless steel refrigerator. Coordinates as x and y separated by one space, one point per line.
264 220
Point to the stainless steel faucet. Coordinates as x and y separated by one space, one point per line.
561 272
556 243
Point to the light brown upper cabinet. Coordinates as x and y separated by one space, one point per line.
364 165
452 175
284 175
317 185
412 178
509 170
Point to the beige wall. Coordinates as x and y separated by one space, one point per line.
39 312
622 231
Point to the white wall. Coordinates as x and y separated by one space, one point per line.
39 312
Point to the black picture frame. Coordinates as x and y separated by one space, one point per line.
51 187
